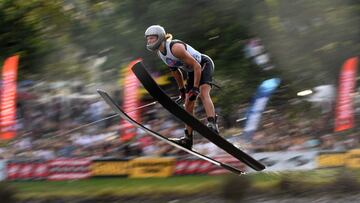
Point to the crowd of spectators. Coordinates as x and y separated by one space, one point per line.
55 128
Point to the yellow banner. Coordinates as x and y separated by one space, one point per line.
331 160
353 158
145 167
110 168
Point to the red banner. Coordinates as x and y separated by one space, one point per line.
228 159
192 167
69 169
8 98
344 114
131 102
26 170
199 166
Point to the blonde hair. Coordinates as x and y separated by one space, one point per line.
168 36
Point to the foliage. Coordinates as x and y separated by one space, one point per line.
309 40
62 39
28 28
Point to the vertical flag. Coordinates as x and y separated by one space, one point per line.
130 102
8 98
258 105
344 112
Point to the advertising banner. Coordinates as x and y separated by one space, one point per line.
69 169
228 159
131 102
193 167
145 167
331 159
8 98
353 158
26 170
110 168
287 160
258 105
199 166
344 113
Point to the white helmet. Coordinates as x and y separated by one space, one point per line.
158 31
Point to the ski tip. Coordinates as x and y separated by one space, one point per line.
100 91
232 169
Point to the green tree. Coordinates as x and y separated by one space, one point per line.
27 28
309 40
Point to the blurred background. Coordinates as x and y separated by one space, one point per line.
289 96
